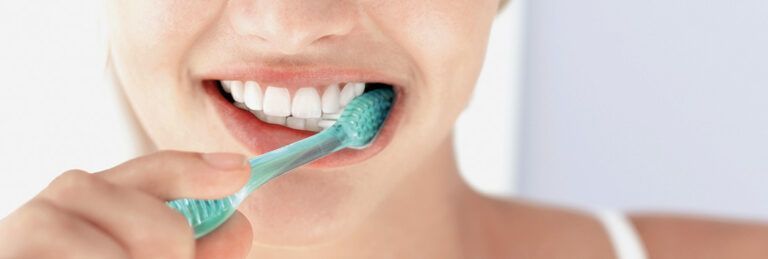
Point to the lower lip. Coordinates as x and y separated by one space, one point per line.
260 137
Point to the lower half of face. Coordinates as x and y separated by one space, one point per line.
252 76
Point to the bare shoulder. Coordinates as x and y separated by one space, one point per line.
681 237
519 229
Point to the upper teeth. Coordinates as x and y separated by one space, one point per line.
306 111
252 96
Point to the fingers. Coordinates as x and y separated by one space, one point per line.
143 224
121 212
231 240
173 174
39 224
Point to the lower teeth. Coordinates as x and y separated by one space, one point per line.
310 124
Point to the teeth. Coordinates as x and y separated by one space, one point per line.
252 96
237 90
226 85
331 116
331 99
306 104
326 123
277 101
307 110
359 88
260 115
279 120
311 124
296 123
347 94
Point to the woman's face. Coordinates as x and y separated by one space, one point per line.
171 57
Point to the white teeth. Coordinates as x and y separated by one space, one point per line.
277 101
295 123
347 94
307 110
260 115
331 116
237 90
311 124
326 123
279 120
252 95
227 86
359 88
306 104
331 99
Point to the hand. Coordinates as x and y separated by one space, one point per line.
121 212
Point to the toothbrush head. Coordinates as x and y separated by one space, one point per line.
363 117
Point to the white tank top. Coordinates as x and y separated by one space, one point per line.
626 242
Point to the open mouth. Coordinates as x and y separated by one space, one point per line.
264 117
306 109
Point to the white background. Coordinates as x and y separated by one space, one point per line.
647 105
58 114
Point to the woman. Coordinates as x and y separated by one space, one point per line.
241 77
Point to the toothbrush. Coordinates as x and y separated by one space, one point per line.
356 128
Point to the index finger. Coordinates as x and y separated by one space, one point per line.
175 174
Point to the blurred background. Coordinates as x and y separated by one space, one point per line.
636 105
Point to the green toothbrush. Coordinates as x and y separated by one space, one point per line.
356 128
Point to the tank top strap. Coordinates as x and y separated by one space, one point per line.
625 240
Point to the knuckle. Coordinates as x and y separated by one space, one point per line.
70 184
71 177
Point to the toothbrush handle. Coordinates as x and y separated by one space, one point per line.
284 159
206 215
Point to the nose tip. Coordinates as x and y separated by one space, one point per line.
290 37
290 26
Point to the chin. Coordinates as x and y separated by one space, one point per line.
305 208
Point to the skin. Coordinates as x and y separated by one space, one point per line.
416 207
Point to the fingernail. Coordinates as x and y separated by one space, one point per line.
225 161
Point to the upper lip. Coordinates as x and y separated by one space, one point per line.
299 76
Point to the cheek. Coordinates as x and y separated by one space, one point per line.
447 40
149 44
156 34
167 19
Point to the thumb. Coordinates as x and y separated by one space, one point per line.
231 240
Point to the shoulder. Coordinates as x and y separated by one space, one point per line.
519 229
687 237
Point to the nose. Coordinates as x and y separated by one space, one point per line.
290 26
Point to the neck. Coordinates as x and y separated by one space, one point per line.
420 219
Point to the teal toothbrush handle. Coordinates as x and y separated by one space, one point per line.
206 215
